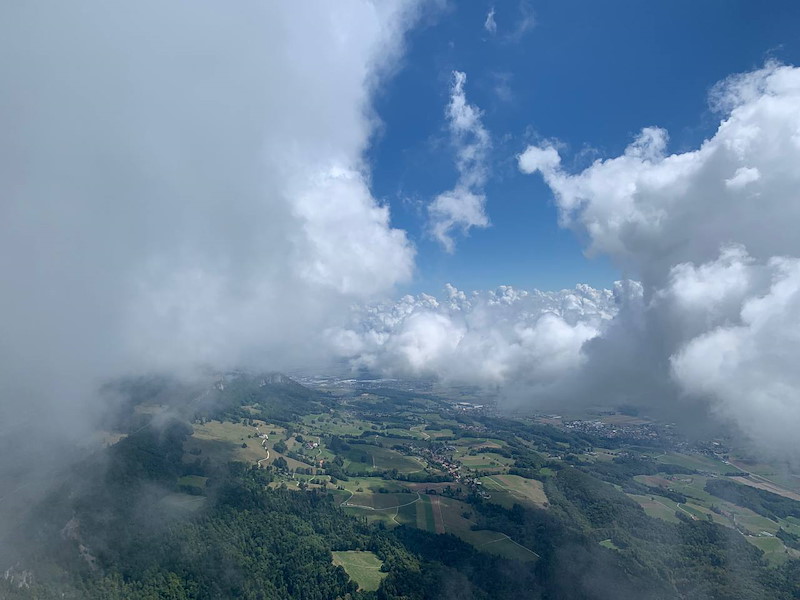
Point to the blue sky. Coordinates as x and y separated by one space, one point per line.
589 74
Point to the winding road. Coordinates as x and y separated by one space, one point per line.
264 446
346 502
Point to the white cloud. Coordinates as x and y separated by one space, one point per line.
505 336
742 177
712 234
544 159
463 207
747 364
650 210
489 24
184 184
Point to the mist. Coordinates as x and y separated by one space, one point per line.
183 186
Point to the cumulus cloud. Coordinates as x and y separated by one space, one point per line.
712 235
499 337
463 207
746 363
184 184
651 210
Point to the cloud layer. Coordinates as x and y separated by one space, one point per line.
498 337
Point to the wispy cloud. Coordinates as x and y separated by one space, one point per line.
502 86
525 22
522 24
489 24
463 207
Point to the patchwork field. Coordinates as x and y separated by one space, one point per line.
759 529
400 442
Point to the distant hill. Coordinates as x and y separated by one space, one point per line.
271 396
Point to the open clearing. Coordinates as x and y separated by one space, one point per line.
222 442
363 567
517 489
657 507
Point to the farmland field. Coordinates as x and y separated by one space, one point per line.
424 515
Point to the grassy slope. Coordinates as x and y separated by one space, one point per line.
362 567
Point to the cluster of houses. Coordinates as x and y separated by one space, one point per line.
441 457
632 432
469 407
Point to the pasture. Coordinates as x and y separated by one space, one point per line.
506 490
221 442
363 567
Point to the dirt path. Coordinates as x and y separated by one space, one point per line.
264 446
